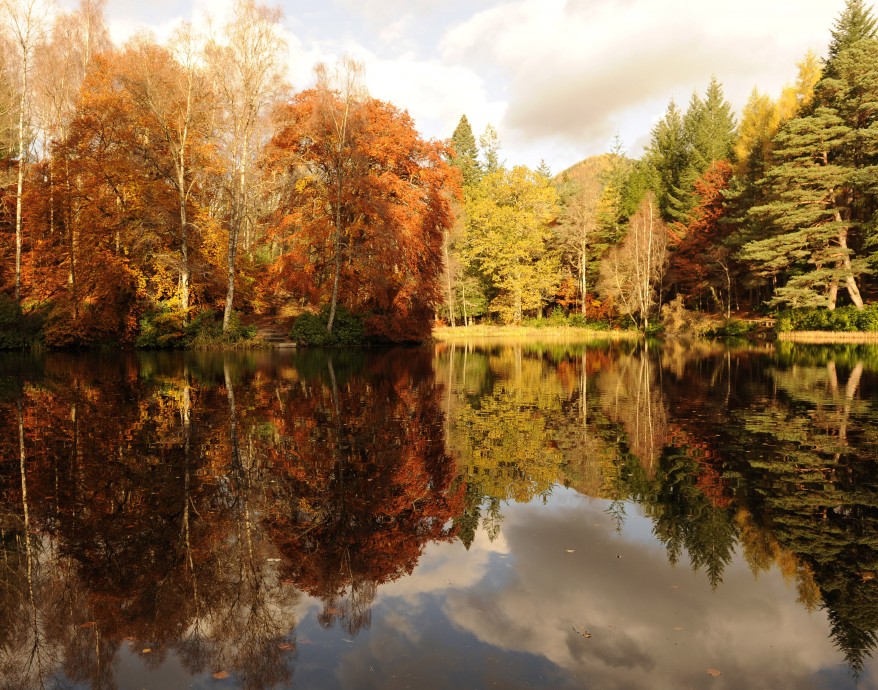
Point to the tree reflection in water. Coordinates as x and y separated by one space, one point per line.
177 505
165 505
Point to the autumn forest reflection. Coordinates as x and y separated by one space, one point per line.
184 506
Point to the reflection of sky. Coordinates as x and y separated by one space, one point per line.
508 614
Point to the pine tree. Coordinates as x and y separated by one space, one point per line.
684 147
668 155
713 126
854 24
466 152
544 169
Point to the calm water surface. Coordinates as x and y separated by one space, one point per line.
502 515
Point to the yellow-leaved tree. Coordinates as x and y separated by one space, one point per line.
510 214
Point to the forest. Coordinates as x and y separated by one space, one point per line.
172 195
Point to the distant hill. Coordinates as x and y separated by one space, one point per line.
589 167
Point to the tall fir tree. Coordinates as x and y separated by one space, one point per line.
855 23
668 155
713 129
466 153
683 147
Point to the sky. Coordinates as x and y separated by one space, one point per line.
558 79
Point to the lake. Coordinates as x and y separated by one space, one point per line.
498 514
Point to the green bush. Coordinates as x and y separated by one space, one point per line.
205 330
867 320
347 329
731 328
163 327
845 318
559 319
18 331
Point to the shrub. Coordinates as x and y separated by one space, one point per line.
205 330
161 326
845 318
347 329
680 322
731 328
18 331
559 319
867 320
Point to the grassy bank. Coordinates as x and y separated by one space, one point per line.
490 331
829 337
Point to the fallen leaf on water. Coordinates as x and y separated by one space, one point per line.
713 673
219 675
146 650
286 646
584 633
570 551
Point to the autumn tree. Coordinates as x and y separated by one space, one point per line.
509 216
632 272
25 27
61 64
581 192
362 216
701 264
246 67
171 91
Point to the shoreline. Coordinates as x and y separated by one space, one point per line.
828 337
445 333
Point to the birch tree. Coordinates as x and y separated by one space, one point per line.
25 22
170 88
247 70
632 272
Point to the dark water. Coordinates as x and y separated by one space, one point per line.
516 515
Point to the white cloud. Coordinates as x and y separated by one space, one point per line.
558 78
651 625
576 71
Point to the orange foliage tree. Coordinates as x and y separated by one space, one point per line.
701 264
362 215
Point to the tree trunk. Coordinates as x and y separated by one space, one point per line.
832 295
463 301
234 230
184 243
583 261
448 275
19 190
849 279
337 269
